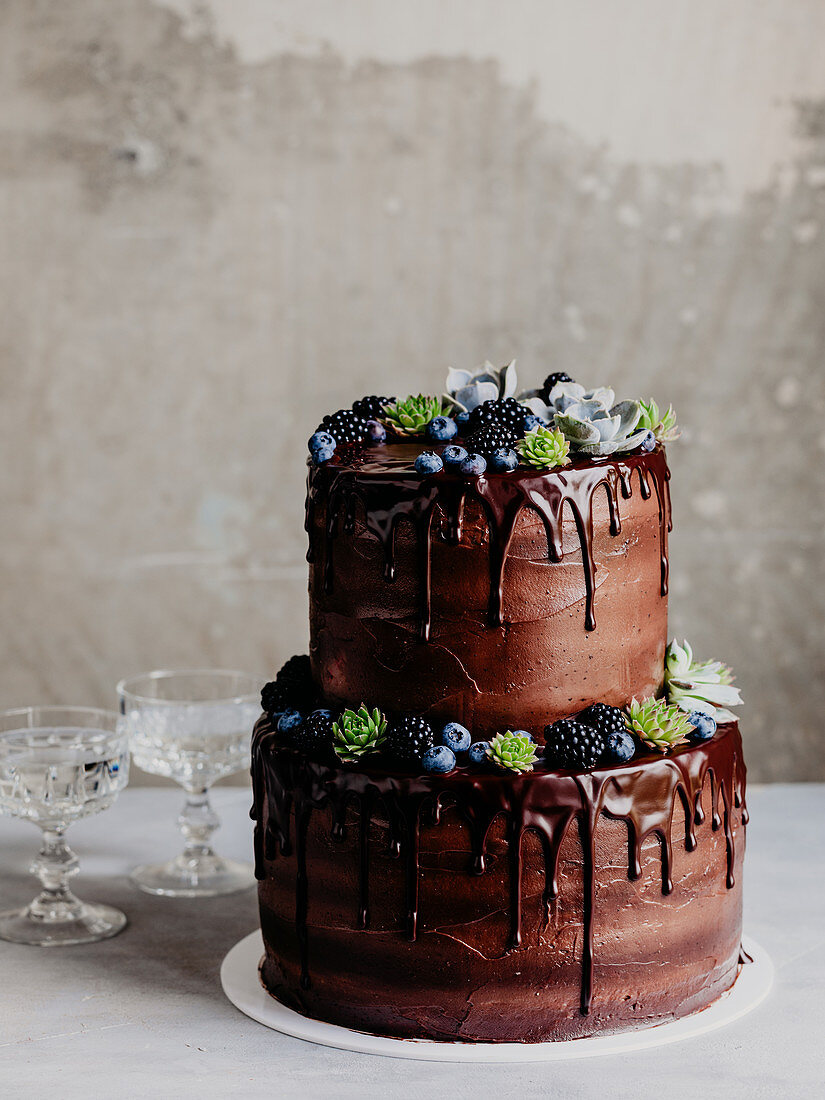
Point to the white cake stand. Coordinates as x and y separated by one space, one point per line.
242 985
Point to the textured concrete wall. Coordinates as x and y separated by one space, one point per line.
221 220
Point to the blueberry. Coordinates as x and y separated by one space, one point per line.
376 432
477 752
321 441
619 747
531 422
704 726
455 737
473 466
442 429
428 463
439 759
453 456
290 721
461 418
523 733
503 460
648 441
323 455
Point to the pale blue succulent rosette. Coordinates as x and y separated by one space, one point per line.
706 686
466 390
599 430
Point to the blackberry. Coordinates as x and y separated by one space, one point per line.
345 426
504 410
314 735
408 738
603 718
491 437
553 380
573 745
371 407
292 688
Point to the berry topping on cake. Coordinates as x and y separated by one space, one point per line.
531 422
492 437
478 752
619 747
358 733
503 460
289 724
322 455
704 726
320 441
573 745
439 760
453 456
506 412
442 429
314 735
513 751
553 380
456 737
648 442
346 426
428 463
292 688
372 407
473 465
603 717
376 432
408 738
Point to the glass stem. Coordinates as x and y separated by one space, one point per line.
197 822
54 865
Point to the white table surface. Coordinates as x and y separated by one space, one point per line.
143 1014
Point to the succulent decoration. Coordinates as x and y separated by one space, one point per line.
412 415
466 390
659 724
357 733
513 751
699 686
548 401
598 429
664 427
544 448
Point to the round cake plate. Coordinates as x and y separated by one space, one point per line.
241 984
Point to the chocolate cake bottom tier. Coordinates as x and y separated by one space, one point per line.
490 907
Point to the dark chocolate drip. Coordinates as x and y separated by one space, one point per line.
388 497
642 793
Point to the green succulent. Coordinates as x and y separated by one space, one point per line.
514 751
544 448
664 427
660 724
412 415
357 733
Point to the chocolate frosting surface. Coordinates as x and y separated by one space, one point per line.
572 888
508 599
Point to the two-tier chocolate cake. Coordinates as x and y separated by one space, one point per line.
493 804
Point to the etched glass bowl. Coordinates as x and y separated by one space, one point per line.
58 765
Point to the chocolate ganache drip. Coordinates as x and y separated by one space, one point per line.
390 493
289 788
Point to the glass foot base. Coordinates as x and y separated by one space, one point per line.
200 877
86 924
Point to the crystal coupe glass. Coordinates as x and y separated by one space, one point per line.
193 727
57 765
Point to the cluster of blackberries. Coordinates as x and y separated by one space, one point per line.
597 733
553 380
345 426
371 407
292 689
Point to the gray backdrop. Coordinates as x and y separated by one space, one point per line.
220 220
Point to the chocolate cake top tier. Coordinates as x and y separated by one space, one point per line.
498 600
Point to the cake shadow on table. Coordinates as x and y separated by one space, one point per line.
492 804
